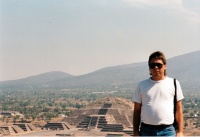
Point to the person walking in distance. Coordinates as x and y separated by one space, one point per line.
154 102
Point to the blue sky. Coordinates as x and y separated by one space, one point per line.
81 36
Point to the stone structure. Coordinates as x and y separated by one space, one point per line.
15 129
56 126
108 115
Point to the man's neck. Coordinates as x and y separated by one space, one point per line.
155 78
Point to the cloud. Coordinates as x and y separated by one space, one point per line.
173 8
144 3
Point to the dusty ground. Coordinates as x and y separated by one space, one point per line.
73 132
189 131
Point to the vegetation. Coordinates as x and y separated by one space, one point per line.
48 104
45 105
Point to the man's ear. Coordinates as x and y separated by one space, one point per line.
150 72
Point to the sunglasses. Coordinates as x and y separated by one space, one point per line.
152 65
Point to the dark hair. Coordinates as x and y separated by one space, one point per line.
158 55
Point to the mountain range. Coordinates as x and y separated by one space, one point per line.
183 67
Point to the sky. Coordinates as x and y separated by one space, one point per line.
82 36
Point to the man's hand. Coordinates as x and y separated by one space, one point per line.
179 134
136 118
179 118
136 133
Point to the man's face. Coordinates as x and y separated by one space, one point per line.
157 68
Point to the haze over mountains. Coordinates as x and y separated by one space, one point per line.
186 68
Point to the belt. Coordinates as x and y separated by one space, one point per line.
155 126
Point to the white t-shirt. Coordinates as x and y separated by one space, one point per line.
157 99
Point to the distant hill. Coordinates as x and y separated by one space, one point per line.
184 67
40 79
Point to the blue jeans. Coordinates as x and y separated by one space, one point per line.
148 130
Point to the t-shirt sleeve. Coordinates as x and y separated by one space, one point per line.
137 95
179 91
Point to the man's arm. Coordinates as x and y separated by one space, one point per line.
179 118
136 118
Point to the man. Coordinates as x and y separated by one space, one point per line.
154 102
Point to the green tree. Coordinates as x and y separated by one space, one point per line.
186 124
15 118
33 116
78 105
56 109
63 106
4 107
